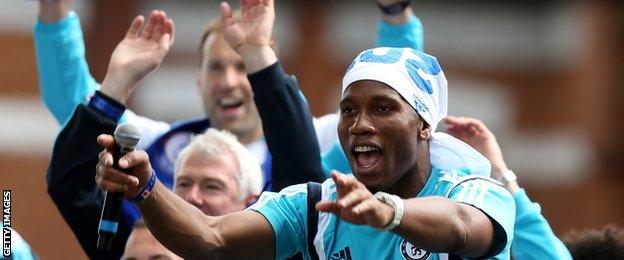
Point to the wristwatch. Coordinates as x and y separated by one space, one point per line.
396 203
508 177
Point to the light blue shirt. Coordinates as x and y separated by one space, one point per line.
287 213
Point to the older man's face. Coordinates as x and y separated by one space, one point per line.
378 133
210 184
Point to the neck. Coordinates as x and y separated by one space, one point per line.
251 136
415 179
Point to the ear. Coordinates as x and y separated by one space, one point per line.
251 199
425 132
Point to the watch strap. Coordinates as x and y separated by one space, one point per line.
396 203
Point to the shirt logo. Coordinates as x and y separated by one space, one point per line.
411 252
343 254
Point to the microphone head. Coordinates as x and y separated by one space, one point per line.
127 135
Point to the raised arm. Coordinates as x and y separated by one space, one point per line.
64 77
178 225
399 27
533 237
286 119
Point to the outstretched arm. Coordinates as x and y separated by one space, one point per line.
434 223
178 225
533 237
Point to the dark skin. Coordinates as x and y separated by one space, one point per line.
434 223
379 117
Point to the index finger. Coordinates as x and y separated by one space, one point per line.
344 183
133 158
170 28
107 142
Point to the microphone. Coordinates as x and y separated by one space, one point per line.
126 138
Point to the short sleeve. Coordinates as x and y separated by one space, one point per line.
287 213
496 202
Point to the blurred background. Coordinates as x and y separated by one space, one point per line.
545 76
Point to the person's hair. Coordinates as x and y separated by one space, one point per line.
213 26
214 143
605 243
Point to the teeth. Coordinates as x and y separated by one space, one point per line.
229 102
365 148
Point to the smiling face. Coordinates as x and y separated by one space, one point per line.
226 93
210 183
380 133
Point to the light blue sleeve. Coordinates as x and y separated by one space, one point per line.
534 239
64 77
335 159
496 202
20 250
409 34
286 211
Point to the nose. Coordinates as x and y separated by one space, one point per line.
362 125
230 78
193 196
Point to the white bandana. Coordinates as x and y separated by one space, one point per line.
419 79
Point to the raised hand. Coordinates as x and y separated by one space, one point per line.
135 165
255 26
356 204
250 35
139 53
476 134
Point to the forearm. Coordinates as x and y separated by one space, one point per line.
52 11
179 226
71 184
398 19
401 30
442 225
257 57
288 128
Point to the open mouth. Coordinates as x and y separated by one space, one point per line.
230 103
366 156
230 107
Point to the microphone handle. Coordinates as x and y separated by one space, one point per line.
111 210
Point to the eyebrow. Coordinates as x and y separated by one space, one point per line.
159 256
202 179
376 98
384 97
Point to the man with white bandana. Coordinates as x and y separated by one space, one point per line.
392 100
385 139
